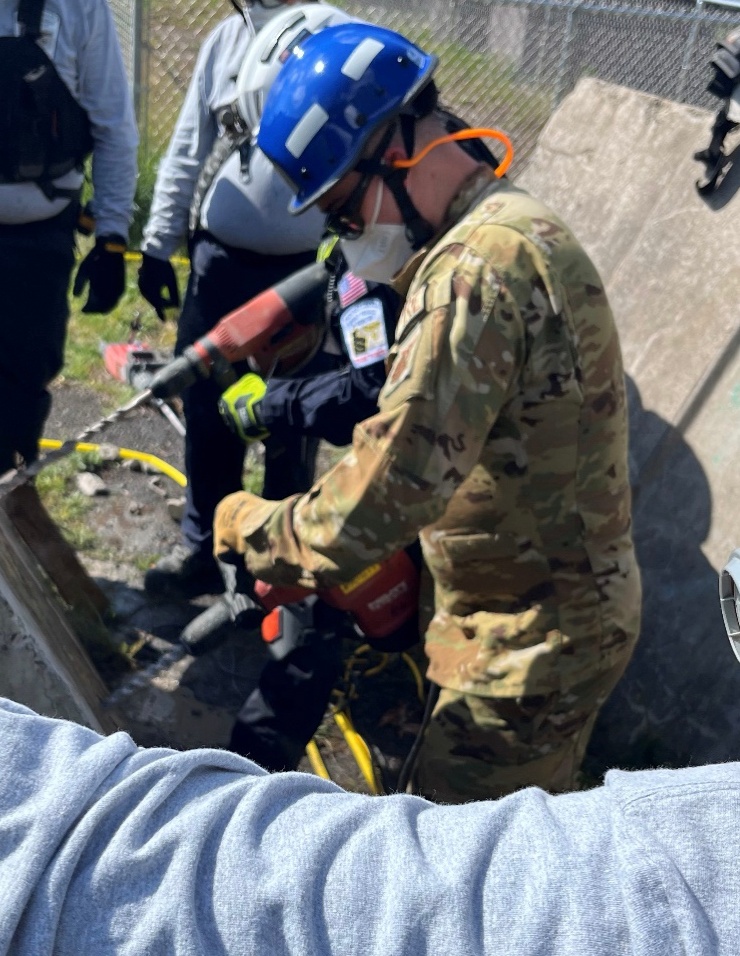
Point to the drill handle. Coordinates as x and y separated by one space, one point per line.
177 375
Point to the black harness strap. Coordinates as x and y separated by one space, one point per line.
418 230
29 17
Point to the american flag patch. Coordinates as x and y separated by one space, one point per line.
350 289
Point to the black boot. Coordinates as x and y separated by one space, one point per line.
184 574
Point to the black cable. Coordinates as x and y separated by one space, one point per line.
408 765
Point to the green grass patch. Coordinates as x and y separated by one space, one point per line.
142 562
68 508
253 476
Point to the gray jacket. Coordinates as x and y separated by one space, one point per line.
110 850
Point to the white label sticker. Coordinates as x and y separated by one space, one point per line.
363 329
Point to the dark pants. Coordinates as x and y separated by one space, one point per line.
284 711
36 261
222 278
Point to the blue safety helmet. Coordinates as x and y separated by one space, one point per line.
333 92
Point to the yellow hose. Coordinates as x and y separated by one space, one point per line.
359 750
357 746
315 759
411 664
158 463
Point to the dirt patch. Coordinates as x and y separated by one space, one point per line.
132 520
193 703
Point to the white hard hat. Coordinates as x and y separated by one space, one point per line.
268 50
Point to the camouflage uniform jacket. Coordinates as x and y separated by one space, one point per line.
502 441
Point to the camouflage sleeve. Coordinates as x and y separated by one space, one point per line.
460 344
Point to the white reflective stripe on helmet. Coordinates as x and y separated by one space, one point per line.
313 120
360 58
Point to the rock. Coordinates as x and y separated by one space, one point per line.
136 464
108 452
175 508
155 484
90 484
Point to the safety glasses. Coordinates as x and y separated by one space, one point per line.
346 222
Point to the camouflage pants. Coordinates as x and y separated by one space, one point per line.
478 748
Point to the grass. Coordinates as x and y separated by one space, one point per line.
68 508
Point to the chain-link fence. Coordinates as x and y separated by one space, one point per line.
505 63
127 15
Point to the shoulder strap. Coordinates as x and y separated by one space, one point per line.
29 17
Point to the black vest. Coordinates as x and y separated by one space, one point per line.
44 132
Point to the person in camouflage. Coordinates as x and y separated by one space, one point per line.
501 439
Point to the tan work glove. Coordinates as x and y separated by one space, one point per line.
238 516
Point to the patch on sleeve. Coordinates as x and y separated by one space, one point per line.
363 330
350 288
415 303
403 364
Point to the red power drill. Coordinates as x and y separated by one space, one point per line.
379 606
277 330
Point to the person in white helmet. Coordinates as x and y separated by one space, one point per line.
228 202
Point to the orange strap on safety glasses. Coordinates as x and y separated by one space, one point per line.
480 133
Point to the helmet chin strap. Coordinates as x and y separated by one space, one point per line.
418 230
241 7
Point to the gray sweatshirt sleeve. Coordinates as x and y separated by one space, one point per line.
104 93
192 140
109 849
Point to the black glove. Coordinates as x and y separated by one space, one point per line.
104 270
157 276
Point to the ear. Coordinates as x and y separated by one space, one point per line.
394 152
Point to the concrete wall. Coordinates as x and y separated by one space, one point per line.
617 166
42 662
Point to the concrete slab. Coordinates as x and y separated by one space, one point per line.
42 662
617 165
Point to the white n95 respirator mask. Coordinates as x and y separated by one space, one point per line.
381 250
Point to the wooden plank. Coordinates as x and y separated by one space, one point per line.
44 627
58 559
